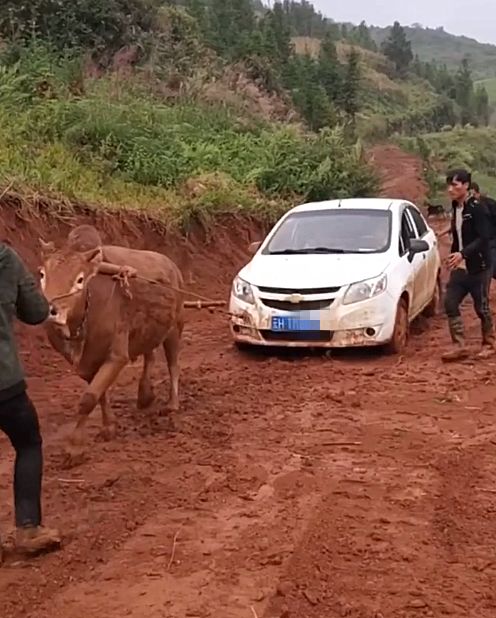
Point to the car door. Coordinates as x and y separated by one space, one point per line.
416 268
430 257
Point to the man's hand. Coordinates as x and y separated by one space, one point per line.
454 260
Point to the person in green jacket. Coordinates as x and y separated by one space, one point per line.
21 299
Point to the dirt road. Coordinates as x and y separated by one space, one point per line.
287 486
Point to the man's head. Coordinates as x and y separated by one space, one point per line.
476 192
459 182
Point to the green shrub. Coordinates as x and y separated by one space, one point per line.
101 143
83 24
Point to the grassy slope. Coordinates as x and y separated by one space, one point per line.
118 144
449 49
474 149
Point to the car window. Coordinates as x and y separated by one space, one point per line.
407 233
420 223
340 230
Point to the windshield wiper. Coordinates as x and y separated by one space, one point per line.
308 251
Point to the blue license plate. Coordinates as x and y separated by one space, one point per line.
290 324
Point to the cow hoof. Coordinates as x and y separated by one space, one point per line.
107 434
171 406
73 458
145 400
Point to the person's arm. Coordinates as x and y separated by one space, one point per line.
31 306
482 225
444 232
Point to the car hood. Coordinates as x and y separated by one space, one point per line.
313 271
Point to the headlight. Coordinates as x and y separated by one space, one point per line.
243 291
364 290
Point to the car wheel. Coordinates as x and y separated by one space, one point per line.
399 339
433 307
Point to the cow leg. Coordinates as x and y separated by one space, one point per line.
109 422
146 396
171 348
104 378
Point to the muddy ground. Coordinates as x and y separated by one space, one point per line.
290 485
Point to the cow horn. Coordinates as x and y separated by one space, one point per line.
93 255
47 247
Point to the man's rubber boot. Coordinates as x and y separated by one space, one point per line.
488 344
35 540
459 350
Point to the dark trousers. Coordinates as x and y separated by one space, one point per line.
493 260
18 419
460 285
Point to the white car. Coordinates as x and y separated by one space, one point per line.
337 274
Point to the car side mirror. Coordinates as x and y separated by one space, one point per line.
417 246
254 247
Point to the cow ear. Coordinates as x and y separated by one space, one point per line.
93 256
47 248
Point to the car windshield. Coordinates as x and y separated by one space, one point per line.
332 231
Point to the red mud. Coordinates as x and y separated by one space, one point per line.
287 486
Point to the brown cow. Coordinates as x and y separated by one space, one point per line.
99 329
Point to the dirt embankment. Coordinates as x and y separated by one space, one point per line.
401 173
292 486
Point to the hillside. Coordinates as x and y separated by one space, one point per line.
196 111
192 128
430 44
388 104
445 48
473 149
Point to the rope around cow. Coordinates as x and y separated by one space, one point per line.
203 302
123 280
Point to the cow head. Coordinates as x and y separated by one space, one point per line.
64 277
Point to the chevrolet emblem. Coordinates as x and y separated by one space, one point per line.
295 298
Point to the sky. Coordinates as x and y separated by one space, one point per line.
473 18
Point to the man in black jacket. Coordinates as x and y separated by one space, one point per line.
469 263
491 206
19 297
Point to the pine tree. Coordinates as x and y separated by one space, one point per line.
243 15
198 10
329 68
398 49
276 26
418 66
444 113
363 37
351 85
308 95
444 82
465 92
482 107
220 18
231 24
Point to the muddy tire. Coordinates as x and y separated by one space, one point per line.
399 340
434 306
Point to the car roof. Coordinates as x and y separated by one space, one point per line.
374 203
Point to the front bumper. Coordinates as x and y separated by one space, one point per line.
364 324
